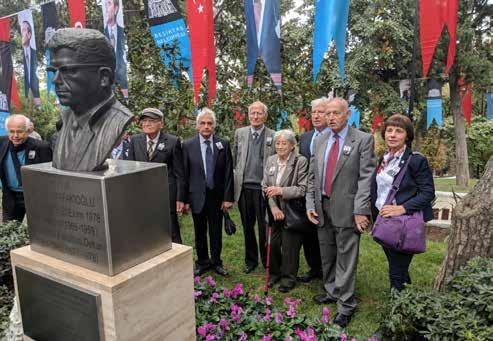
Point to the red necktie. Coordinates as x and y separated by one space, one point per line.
331 164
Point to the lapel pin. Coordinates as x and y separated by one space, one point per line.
160 146
346 150
31 155
272 170
268 141
219 145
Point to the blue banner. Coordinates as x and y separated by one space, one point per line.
3 117
331 17
433 111
167 26
489 106
355 116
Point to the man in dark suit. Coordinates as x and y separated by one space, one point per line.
311 247
17 150
154 145
253 145
30 63
116 36
208 168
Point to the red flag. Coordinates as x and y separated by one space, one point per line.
5 37
465 91
433 15
14 95
77 13
201 25
5 29
378 121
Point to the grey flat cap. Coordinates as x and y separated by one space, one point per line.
151 112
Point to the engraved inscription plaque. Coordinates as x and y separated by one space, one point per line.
105 221
54 311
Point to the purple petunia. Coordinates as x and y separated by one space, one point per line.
256 299
210 281
237 290
266 338
223 324
214 297
204 329
236 312
267 315
278 317
196 280
268 300
197 294
243 336
325 315
343 337
291 311
226 293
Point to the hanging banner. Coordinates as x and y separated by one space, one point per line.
433 15
405 89
50 25
77 13
201 25
6 73
28 41
355 117
489 106
263 22
113 30
434 103
168 26
331 17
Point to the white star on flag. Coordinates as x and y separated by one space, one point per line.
200 8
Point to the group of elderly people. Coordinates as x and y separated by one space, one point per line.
324 196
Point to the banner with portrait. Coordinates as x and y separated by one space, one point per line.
114 31
50 25
167 27
30 60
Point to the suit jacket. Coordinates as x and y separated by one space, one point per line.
351 182
31 80
296 173
168 151
42 153
121 63
195 173
240 152
417 189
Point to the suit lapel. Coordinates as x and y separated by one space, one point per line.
141 144
348 142
30 148
198 151
216 152
267 147
161 141
322 145
288 171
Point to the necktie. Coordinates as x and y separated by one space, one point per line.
257 9
209 171
149 149
255 135
28 66
331 164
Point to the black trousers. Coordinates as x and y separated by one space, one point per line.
398 268
13 207
175 228
252 208
311 249
209 220
284 254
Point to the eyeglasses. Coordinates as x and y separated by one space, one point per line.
16 132
150 120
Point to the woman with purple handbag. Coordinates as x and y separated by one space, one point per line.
401 195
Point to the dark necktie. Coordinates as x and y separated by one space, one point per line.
209 177
149 149
255 135
331 164
15 159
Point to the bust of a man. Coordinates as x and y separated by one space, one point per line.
83 62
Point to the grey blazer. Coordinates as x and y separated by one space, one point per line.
351 182
240 152
298 173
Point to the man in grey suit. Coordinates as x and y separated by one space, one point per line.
253 145
337 201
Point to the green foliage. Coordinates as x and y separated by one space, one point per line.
479 144
464 311
12 235
434 148
6 302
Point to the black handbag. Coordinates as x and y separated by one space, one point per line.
229 224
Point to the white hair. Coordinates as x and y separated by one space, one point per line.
289 135
27 121
258 103
320 101
206 111
342 102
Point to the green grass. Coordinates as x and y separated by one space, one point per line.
372 281
447 185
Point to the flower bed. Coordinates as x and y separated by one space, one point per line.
231 314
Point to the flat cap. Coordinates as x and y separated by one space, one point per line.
152 112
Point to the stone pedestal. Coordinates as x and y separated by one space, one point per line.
150 301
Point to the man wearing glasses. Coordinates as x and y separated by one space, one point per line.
154 145
83 63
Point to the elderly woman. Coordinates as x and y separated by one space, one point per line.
285 179
415 193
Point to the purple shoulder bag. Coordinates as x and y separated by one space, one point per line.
404 233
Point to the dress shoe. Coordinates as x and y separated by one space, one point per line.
309 276
200 270
221 271
273 281
323 299
249 268
285 288
342 320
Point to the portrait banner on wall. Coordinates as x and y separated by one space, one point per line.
434 103
263 21
114 31
77 13
50 25
167 27
6 72
28 44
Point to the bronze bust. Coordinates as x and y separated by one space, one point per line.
83 62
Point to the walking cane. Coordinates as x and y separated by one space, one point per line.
267 268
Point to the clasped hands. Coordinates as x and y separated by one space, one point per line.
182 208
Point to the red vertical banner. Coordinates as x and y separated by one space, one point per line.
201 26
77 13
465 91
8 85
14 96
433 15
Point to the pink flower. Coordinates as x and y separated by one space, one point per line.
214 297
299 332
237 290
292 302
256 298
224 324
266 338
354 339
236 312
291 311
268 300
196 280
226 293
210 281
267 315
325 315
278 317
197 294
211 337
243 337
202 330
343 337
288 338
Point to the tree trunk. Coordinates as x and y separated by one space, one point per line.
462 161
471 232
